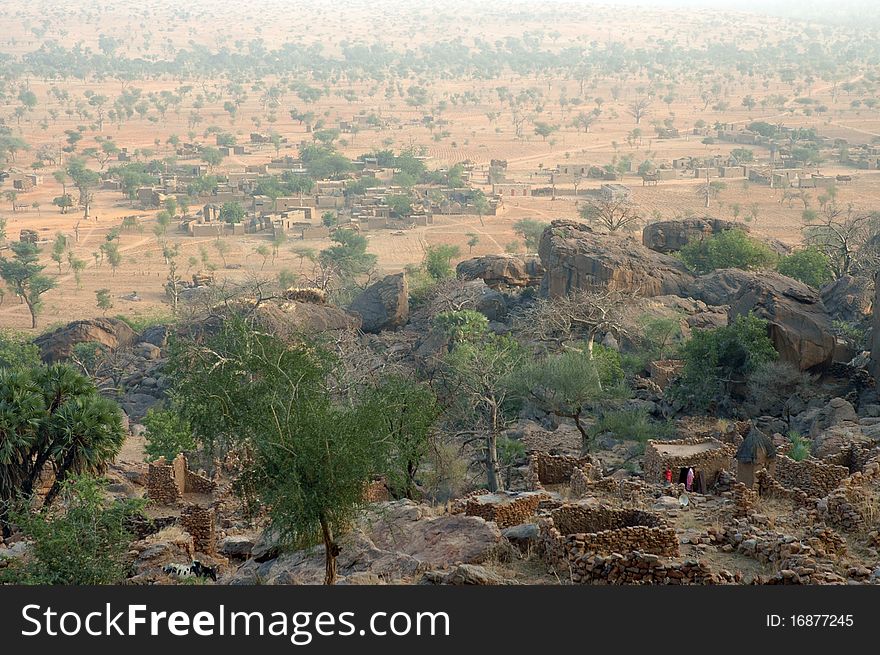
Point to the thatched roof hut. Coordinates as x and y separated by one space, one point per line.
756 447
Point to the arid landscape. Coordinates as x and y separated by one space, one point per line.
622 259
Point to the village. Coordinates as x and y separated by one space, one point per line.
467 296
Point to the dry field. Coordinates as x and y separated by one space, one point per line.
471 130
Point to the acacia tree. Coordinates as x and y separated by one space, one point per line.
310 455
563 383
611 213
24 275
473 372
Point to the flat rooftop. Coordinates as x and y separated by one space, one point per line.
685 449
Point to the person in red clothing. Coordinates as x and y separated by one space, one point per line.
668 476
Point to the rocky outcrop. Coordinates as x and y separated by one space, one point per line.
847 299
577 257
671 236
800 326
108 332
383 305
875 330
502 270
394 541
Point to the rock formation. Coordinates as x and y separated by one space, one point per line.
875 330
59 344
383 305
502 270
671 236
800 326
575 257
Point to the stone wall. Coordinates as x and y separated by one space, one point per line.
554 469
200 522
587 480
573 531
642 568
505 508
816 479
166 483
162 486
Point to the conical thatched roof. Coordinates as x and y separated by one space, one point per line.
752 446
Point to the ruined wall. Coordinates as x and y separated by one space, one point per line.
554 469
161 483
642 568
200 523
505 509
166 483
816 479
587 480
572 531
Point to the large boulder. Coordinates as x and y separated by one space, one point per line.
800 326
847 299
394 541
577 257
383 305
671 236
502 270
109 332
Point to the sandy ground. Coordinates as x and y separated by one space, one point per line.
468 132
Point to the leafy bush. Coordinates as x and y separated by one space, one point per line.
632 424
167 434
810 266
84 544
16 351
728 249
717 359
800 447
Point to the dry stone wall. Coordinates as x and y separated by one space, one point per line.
506 509
200 522
816 479
573 531
556 469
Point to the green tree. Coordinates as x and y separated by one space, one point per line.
562 384
810 266
53 416
531 231
438 260
473 373
311 456
473 240
728 249
167 434
232 212
103 300
405 411
349 257
717 360
24 275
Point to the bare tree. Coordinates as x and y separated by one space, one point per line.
561 323
611 213
638 109
848 237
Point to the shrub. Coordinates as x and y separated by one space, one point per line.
800 447
729 249
717 359
84 544
810 266
16 351
632 424
167 434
